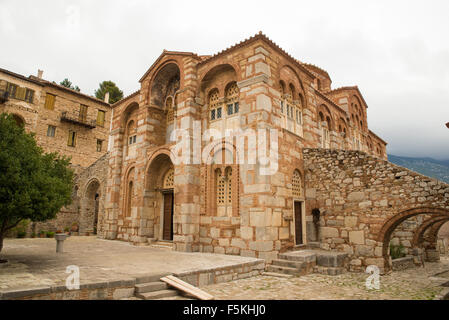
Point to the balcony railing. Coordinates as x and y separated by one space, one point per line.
79 119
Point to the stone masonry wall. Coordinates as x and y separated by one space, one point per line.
362 199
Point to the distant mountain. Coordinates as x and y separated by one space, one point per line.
438 169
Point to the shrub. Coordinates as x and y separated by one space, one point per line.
397 252
50 234
21 234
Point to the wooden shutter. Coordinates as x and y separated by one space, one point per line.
100 118
20 93
49 101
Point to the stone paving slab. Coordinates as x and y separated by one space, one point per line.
34 263
412 284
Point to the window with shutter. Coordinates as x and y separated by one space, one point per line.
101 117
50 101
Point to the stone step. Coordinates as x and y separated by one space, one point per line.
157 294
151 278
300 255
150 287
331 258
285 270
330 271
289 263
278 275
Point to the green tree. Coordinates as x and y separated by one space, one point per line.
68 84
33 185
115 94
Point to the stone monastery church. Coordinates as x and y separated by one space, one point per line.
327 181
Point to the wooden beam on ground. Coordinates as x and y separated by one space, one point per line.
187 287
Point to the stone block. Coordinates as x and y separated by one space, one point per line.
357 237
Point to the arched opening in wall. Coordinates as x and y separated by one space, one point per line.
221 95
129 127
298 206
160 197
164 89
90 208
19 120
387 231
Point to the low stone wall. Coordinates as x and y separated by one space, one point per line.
206 277
111 290
119 289
403 263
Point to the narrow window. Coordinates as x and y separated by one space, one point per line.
220 187
50 101
83 113
282 107
11 88
72 139
51 130
129 200
230 109
99 145
218 113
212 114
29 95
236 107
100 117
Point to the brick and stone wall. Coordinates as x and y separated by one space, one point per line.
362 199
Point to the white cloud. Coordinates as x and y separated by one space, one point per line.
395 51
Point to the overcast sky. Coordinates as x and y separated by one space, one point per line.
397 52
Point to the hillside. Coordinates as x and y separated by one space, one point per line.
438 169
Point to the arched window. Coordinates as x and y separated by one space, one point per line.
170 110
224 194
282 91
232 99
168 182
129 199
214 105
296 184
221 186
131 132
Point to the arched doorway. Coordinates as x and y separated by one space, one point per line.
160 196
90 208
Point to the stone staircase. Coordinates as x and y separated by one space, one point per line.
152 288
305 261
161 244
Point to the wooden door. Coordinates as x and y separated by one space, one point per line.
168 216
298 223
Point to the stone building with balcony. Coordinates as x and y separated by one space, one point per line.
69 123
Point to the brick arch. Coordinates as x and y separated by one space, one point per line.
327 113
153 156
299 87
125 115
391 224
419 232
212 72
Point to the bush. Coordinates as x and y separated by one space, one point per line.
397 252
21 234
50 234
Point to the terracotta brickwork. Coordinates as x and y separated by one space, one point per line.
226 206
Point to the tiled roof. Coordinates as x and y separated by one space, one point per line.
312 66
259 36
125 98
348 88
43 82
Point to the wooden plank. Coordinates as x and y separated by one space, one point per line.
187 287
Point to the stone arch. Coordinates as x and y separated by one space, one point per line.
90 206
20 121
208 75
166 81
323 109
228 155
392 223
418 237
160 176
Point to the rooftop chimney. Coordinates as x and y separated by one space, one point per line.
106 97
40 73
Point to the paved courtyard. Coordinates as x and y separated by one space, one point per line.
34 262
412 284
